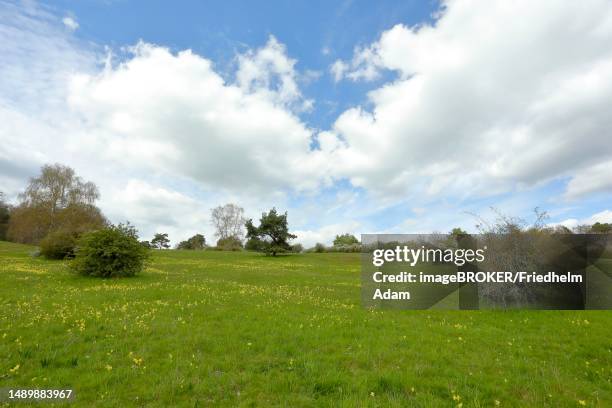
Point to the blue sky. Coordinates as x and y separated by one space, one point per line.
355 116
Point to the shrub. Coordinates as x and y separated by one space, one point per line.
229 244
58 245
319 247
297 248
345 248
110 252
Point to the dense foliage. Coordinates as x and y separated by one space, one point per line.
196 242
56 200
345 239
110 252
273 232
58 245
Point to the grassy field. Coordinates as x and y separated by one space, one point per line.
215 328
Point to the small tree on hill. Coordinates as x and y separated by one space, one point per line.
345 240
160 241
272 231
196 242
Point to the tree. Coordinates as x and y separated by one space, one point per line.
58 187
345 240
110 252
55 200
194 243
273 232
601 228
5 215
458 232
228 221
160 241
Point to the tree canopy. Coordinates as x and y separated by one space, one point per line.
272 233
345 239
160 241
194 243
601 228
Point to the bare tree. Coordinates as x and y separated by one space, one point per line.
57 187
512 245
228 221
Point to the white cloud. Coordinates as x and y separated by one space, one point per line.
604 217
337 69
157 110
596 178
269 72
365 65
483 104
70 23
151 115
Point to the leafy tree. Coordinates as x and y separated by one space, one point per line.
55 200
273 232
110 252
601 228
458 232
345 239
146 244
160 241
228 221
194 243
5 215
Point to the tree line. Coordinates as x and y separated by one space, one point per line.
57 208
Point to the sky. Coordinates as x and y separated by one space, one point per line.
353 116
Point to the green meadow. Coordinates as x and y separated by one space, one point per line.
202 328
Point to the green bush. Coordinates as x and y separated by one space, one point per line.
58 245
110 252
297 248
319 247
229 244
344 248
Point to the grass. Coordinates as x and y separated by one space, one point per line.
238 328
